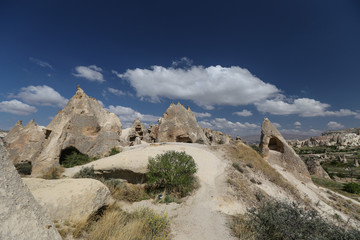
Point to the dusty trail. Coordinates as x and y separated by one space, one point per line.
201 215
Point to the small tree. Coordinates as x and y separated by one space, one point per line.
172 171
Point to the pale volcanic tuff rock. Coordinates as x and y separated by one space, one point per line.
315 168
82 124
277 151
25 143
69 199
179 124
21 217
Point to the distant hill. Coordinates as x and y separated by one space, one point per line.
255 139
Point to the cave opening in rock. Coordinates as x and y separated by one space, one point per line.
71 156
132 138
183 139
138 129
24 168
276 145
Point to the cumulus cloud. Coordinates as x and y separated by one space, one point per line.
312 132
223 123
304 107
207 87
202 114
243 113
41 95
91 73
334 125
41 63
116 92
183 62
16 107
297 124
128 115
277 125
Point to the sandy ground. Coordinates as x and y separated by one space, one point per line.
203 214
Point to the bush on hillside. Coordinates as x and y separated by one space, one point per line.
281 220
352 188
75 158
173 172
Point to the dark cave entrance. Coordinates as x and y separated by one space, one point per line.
183 139
71 156
276 145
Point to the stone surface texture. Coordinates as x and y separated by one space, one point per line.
179 124
314 167
69 199
277 151
21 217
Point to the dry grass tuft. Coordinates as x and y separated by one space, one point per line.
126 191
53 173
114 224
244 155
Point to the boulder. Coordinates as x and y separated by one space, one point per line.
277 151
21 217
82 125
178 124
138 130
314 167
69 199
356 163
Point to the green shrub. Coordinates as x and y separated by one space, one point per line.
114 151
172 171
340 175
75 158
352 188
24 168
285 221
86 172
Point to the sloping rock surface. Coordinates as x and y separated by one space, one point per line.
69 199
24 143
179 124
82 124
277 151
316 169
21 217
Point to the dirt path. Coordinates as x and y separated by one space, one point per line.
201 215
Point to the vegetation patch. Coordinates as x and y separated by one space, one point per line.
113 224
53 173
173 172
336 186
352 188
24 168
281 220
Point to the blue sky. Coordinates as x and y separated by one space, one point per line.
232 62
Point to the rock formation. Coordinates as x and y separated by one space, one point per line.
21 217
315 168
179 124
25 143
137 131
82 125
217 137
69 199
277 151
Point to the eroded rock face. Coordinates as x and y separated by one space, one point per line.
315 168
217 137
25 143
21 217
137 131
179 124
277 151
84 125
69 199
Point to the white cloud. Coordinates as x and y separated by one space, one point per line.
91 73
202 114
304 107
311 132
41 95
243 113
41 63
214 85
297 124
16 107
127 114
334 125
116 92
277 125
184 61
233 128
